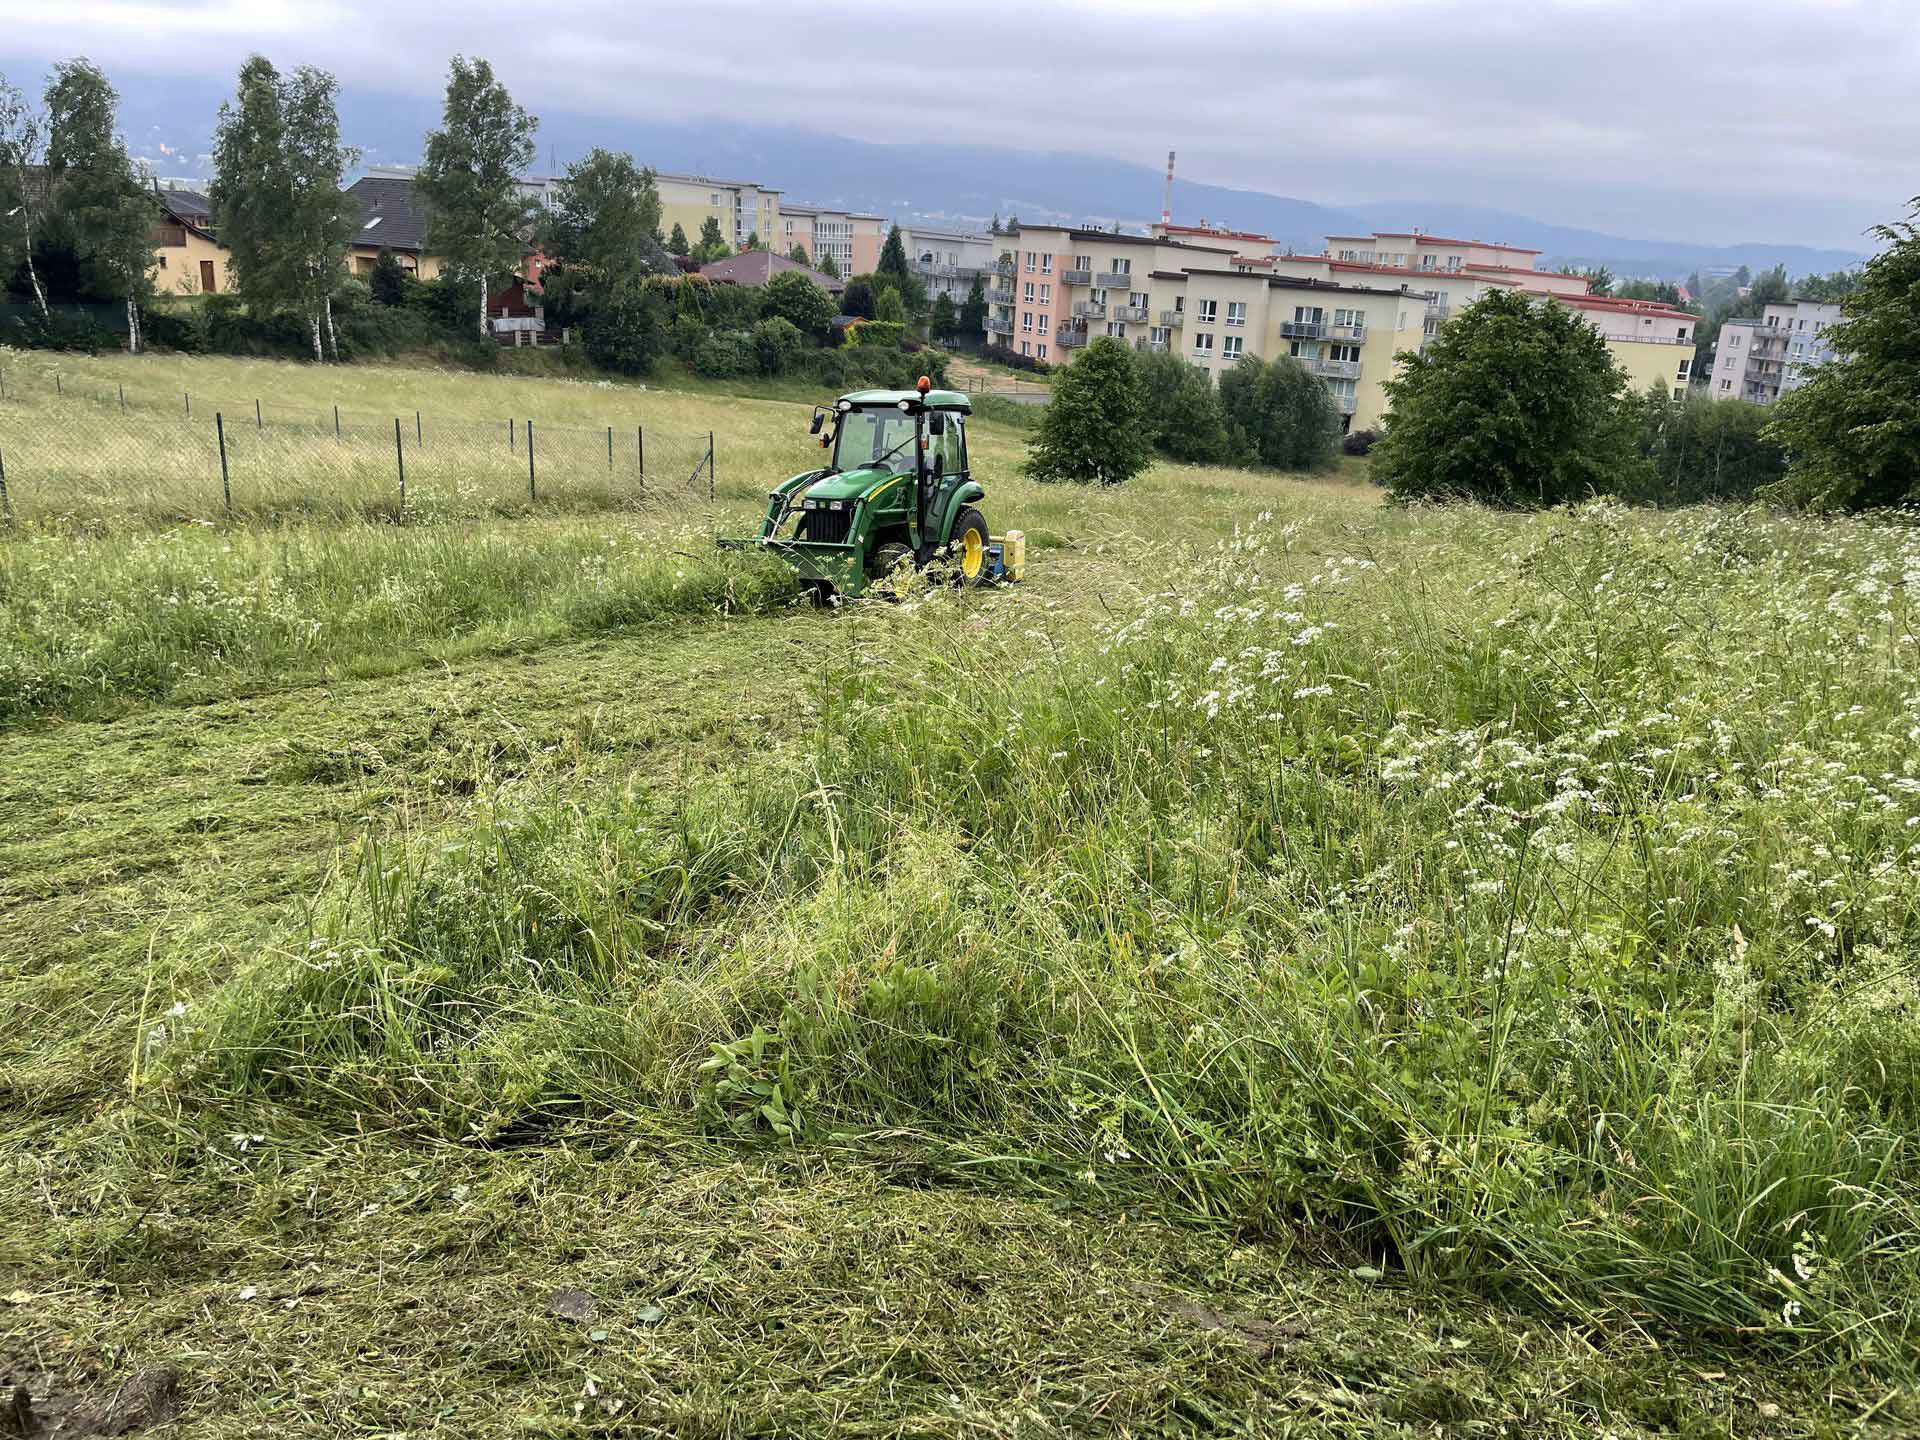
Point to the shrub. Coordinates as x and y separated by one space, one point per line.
1700 449
724 355
1182 409
684 336
389 281
857 298
1014 360
794 298
889 308
828 367
884 333
1358 442
626 333
776 345
1279 415
1518 402
1094 431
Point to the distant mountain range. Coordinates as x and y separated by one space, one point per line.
957 185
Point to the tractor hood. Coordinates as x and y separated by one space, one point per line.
847 484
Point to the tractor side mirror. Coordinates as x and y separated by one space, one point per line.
819 419
937 424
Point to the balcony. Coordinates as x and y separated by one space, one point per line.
1114 280
1348 332
1302 330
1089 310
1070 339
1135 313
1345 404
1152 347
1333 369
998 326
1004 265
1172 318
1076 277
1436 309
1000 297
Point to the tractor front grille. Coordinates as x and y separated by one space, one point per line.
826 527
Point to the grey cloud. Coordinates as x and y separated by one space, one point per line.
1695 119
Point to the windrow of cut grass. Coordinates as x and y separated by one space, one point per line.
93 624
1530 901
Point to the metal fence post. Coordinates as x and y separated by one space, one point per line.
57 388
640 452
419 435
6 499
609 447
226 485
400 460
187 395
532 494
336 422
258 423
123 399
512 443
709 467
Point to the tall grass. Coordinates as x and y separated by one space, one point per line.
1530 902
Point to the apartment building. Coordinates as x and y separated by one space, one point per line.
949 261
742 208
851 238
1761 360
1652 342
1058 286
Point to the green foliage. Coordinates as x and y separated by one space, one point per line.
95 205
1182 409
829 267
725 355
1278 415
777 343
943 321
1663 292
677 241
1700 449
685 335
626 332
1853 430
713 245
389 280
973 311
893 259
889 308
795 298
857 299
470 180
887 333
1598 277
1828 289
798 254
1517 402
1094 430
602 222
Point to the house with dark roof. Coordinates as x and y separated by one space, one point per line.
756 267
393 216
187 258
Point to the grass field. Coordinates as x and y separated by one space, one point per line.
1293 967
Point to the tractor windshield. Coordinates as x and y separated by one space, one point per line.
875 437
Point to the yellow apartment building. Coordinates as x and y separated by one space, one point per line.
742 208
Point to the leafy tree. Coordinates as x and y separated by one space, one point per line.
23 154
893 256
776 344
1093 430
1182 409
480 219
713 245
1663 292
973 310
793 297
753 242
994 227
857 299
1829 289
1517 402
1769 288
888 306
798 254
1277 414
1853 430
249 161
388 281
829 267
97 206
319 217
606 210
626 331
1012 227
1701 449
1599 279
677 242
945 319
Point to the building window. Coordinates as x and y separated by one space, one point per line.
1043 353
1046 263
1426 262
1233 347
1026 321
1031 257
1685 365
1726 384
1179 304
1308 314
1120 267
1203 345
1236 312
1347 354
1430 328
1209 309
1043 324
1046 294
1026 292
1158 335
1353 319
1025 348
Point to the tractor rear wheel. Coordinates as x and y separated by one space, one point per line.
887 561
969 547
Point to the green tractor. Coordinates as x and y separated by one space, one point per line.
897 493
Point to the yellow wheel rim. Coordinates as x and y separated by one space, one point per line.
973 553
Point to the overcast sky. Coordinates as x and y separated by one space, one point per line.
1789 120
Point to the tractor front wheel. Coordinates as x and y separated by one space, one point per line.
969 547
887 561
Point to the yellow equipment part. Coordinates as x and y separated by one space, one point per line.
1013 553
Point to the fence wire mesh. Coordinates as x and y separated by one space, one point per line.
98 455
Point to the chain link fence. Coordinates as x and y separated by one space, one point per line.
101 457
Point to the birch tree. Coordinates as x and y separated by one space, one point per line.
23 185
479 221
320 217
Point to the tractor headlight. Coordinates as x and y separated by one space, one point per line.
835 505
810 504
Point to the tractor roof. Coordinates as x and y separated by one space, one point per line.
933 399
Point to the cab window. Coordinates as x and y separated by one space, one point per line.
872 437
949 451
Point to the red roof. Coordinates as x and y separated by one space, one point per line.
1216 232
1435 240
756 267
1651 308
1410 275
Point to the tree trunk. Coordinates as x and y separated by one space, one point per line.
483 307
333 338
133 326
319 356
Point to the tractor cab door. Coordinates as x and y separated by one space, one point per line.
946 466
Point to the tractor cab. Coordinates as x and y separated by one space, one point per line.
897 490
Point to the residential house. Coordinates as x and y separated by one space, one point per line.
852 238
755 268
187 259
392 217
